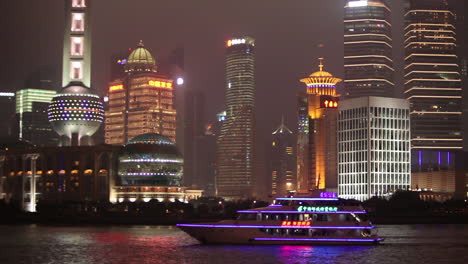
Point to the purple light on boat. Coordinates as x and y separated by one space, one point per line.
305 199
328 195
439 157
275 226
448 158
297 212
320 239
420 158
275 205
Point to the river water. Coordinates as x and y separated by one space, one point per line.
167 244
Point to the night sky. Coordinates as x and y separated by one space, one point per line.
289 34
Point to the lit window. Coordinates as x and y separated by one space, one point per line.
78 3
76 71
77 23
76 48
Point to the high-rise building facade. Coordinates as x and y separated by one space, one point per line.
76 112
235 153
7 102
373 146
31 114
194 129
282 161
316 139
141 101
432 83
368 49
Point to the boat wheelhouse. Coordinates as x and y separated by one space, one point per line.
324 219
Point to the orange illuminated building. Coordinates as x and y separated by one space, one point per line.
317 132
140 102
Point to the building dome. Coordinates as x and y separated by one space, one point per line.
151 138
321 78
76 110
150 160
140 60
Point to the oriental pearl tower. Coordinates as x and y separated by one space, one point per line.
76 112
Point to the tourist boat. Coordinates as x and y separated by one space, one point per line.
323 219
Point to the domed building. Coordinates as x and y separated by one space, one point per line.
150 167
150 159
141 101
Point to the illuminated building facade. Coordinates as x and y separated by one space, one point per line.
76 112
78 175
282 161
235 153
368 49
433 84
141 101
316 140
55 175
31 113
373 147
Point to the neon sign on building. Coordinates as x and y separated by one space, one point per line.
317 209
116 87
232 42
160 84
295 223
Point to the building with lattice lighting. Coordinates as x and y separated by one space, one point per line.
316 139
373 147
141 101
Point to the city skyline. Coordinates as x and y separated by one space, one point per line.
203 45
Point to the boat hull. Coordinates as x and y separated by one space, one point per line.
253 236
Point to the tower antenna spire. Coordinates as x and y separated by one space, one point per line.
321 64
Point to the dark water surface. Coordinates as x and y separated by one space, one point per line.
166 244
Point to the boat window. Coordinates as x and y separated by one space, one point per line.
246 217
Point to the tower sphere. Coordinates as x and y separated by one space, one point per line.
76 110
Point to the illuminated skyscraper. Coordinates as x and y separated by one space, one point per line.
373 147
282 161
316 140
141 101
235 152
368 49
433 84
76 112
31 112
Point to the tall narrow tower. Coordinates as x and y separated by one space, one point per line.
368 49
76 112
433 84
317 133
235 152
77 43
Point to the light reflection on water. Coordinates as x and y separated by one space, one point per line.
167 244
